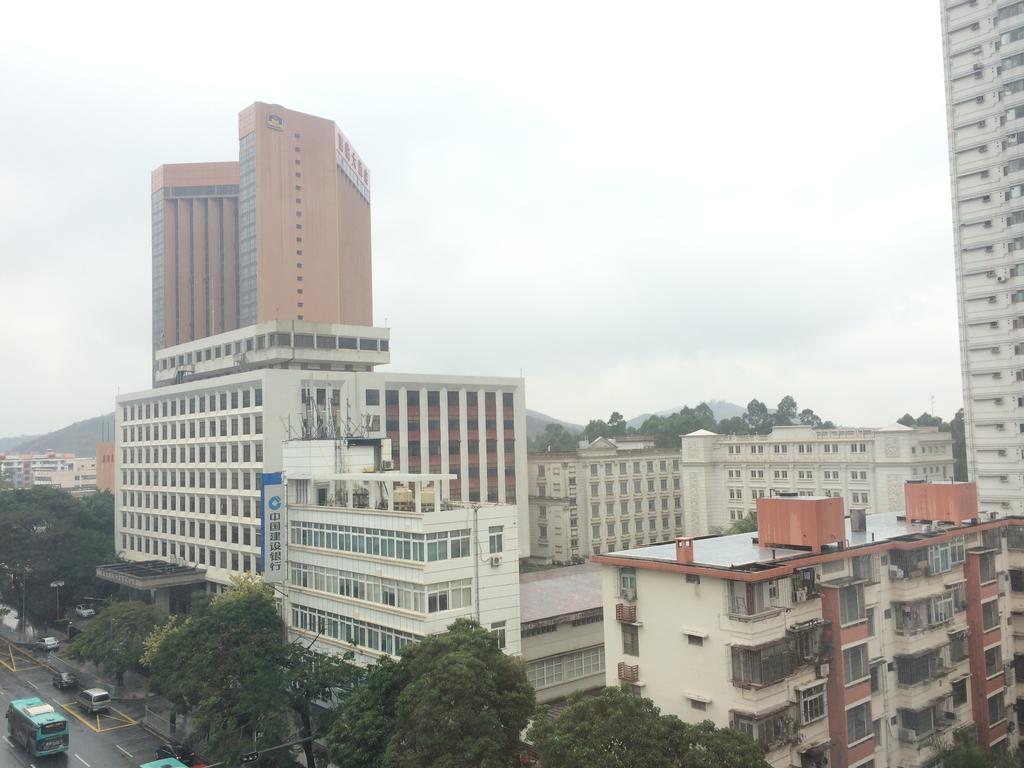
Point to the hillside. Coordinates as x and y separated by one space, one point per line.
8 443
722 409
536 422
79 438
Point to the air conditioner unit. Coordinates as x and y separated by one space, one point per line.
386 465
800 595
822 669
895 572
495 561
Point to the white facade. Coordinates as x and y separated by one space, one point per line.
370 573
724 475
605 496
983 42
190 454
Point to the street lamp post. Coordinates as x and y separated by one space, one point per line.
57 585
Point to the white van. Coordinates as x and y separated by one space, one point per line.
93 700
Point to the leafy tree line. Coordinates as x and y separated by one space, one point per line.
49 535
665 430
453 700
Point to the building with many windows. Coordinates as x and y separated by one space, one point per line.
724 475
562 616
283 233
190 452
78 480
20 469
377 559
606 495
866 641
983 45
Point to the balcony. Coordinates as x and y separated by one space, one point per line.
625 613
629 673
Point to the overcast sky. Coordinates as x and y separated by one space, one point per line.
636 205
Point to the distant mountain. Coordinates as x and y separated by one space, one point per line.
7 443
537 421
722 409
79 438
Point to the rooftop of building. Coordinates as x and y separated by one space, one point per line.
742 551
624 447
800 433
277 343
559 592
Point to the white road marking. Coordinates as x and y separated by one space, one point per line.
31 765
118 746
8 742
83 761
32 684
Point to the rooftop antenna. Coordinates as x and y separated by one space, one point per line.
932 411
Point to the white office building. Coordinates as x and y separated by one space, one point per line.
377 559
983 42
610 494
190 452
723 476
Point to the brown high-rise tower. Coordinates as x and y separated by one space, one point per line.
282 234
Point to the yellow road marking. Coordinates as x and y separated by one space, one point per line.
123 720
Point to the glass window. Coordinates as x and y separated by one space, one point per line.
851 604
858 723
855 663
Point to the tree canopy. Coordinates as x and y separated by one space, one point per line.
224 664
665 430
453 700
115 638
49 535
619 730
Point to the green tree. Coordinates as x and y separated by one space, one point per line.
392 720
757 418
309 677
617 426
965 752
48 536
785 412
555 437
225 664
809 418
734 425
115 638
907 420
747 525
618 730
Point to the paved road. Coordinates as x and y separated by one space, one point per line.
118 741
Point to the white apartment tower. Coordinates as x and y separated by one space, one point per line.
983 44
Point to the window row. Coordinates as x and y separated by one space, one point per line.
190 553
349 630
224 453
245 397
228 426
565 667
398 545
233 479
610 468
235 534
203 505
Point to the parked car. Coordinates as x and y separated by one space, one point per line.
62 680
94 700
180 752
84 611
48 644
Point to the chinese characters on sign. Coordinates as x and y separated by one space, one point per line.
352 159
275 543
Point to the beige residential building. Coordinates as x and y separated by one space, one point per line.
724 475
607 495
850 643
562 630
79 479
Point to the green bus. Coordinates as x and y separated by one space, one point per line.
164 762
35 725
